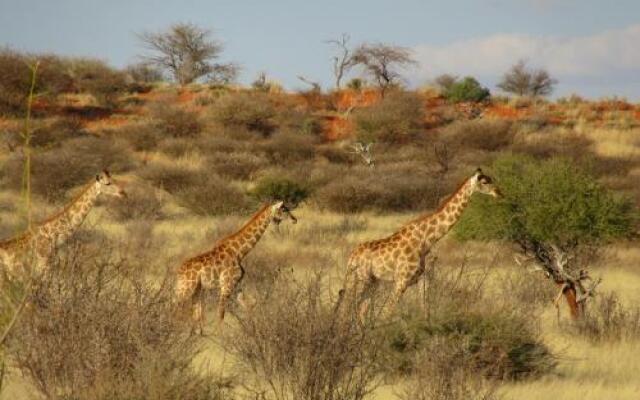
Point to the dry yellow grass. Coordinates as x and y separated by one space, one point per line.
323 240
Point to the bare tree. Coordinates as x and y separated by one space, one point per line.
382 62
344 60
556 264
445 81
364 150
524 81
187 52
315 86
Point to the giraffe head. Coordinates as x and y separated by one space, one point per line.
107 186
484 184
279 211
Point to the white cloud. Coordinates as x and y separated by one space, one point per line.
606 54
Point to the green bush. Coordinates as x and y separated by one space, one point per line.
274 188
397 118
549 201
467 89
253 111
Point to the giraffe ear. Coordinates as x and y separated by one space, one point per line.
97 177
479 170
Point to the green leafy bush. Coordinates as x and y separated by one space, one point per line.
466 89
275 188
549 201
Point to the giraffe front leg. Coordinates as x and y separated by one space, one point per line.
399 289
228 283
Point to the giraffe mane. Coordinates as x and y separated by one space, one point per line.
68 206
442 206
21 236
246 224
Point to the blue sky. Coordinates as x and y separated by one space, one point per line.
591 46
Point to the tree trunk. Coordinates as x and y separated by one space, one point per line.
571 296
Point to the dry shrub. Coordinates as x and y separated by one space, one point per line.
208 194
15 79
142 203
199 190
396 119
607 319
486 135
443 373
253 111
144 136
287 148
497 339
175 121
47 134
55 171
548 144
242 166
528 289
298 347
169 177
389 188
98 330
178 147
96 77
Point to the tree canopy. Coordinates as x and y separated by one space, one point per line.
549 202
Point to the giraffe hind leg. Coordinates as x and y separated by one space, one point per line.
228 284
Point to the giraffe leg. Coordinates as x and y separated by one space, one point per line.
364 293
189 290
228 282
399 289
198 309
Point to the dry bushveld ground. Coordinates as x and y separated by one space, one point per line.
197 162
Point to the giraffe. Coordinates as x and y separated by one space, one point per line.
38 245
222 265
400 258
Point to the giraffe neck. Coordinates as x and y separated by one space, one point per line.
61 226
433 227
250 234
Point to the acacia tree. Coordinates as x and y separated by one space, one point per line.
344 59
382 61
524 81
559 217
188 53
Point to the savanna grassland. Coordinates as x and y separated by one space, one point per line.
198 160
